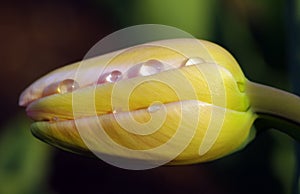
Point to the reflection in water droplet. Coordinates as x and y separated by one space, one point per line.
194 61
67 85
113 76
154 107
54 119
149 67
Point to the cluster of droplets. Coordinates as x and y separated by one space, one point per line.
150 67
147 68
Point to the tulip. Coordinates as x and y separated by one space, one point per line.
177 101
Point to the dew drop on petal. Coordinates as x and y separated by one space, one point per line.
154 107
151 67
194 61
54 119
147 68
113 76
67 85
117 110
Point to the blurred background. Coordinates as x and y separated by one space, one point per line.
39 36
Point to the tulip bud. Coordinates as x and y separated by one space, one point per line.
177 101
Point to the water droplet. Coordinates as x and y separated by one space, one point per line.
154 107
151 67
117 109
113 76
194 61
67 85
147 68
54 119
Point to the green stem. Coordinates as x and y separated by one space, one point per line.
276 108
268 100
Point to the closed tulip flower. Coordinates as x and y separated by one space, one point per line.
176 101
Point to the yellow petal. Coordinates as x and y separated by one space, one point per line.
185 139
187 83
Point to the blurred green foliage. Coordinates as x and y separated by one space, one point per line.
24 160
